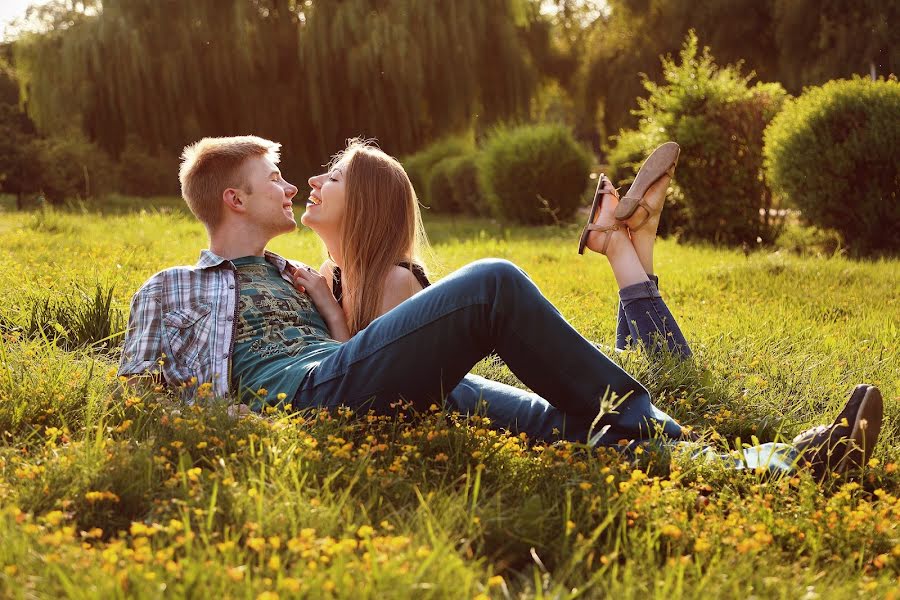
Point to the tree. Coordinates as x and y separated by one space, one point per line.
821 40
19 169
309 74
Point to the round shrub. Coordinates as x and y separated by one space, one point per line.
718 119
455 186
419 165
833 154
534 174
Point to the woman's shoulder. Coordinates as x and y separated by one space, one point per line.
402 277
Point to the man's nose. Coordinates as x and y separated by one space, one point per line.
291 190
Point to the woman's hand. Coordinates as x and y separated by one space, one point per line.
309 281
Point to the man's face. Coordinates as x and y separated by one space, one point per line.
267 196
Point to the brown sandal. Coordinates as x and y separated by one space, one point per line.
661 162
595 210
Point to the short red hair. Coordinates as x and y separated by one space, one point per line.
212 165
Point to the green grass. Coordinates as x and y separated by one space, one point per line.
108 493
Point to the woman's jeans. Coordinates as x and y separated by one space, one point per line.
644 319
423 349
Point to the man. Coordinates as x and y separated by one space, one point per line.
235 324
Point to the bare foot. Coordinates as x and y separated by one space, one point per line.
605 218
644 237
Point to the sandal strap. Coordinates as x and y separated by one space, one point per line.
641 204
607 229
595 227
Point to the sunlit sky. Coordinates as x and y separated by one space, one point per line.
12 9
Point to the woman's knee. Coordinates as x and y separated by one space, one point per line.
499 269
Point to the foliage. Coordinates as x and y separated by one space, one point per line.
72 167
820 40
170 73
419 165
111 491
19 168
73 321
143 172
718 119
455 186
833 154
794 42
534 174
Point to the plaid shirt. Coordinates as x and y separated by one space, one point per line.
181 324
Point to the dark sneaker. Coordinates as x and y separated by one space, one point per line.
847 443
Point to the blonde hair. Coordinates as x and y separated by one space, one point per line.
212 165
382 226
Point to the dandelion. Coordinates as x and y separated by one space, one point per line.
54 518
585 485
495 581
874 462
365 531
671 531
257 544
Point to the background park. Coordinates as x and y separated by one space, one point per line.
780 260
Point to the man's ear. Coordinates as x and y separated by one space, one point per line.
232 199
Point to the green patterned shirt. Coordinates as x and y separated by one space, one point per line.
279 335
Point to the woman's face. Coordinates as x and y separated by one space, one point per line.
327 201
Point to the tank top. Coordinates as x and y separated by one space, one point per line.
338 292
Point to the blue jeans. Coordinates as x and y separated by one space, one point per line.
423 349
644 319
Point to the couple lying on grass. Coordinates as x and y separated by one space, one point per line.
368 328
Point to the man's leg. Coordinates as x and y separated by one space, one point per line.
517 410
423 348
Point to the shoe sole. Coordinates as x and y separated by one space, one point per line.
658 164
595 208
865 431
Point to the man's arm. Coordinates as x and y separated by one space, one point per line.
143 355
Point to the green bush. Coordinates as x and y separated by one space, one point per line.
718 118
419 165
455 186
143 172
833 154
534 174
72 167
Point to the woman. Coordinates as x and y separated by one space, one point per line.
365 211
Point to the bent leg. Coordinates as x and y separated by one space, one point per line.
649 320
423 348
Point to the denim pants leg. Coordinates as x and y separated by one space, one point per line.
645 319
422 349
517 411
624 337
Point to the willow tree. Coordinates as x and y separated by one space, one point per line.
309 74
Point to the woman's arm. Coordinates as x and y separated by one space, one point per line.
319 290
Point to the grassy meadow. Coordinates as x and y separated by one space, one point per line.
111 492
